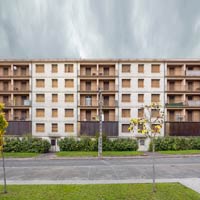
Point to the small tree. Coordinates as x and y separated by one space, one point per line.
149 125
3 126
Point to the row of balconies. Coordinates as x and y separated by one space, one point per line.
15 88
95 117
95 103
19 72
186 88
17 116
97 73
178 104
17 103
95 88
180 72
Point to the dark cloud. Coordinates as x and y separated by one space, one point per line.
99 29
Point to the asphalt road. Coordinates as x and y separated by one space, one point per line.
115 169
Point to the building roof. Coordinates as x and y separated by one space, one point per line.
100 60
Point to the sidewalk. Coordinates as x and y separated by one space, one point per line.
52 156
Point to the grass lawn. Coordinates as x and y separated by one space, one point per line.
19 155
94 153
181 152
165 191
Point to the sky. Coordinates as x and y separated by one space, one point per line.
99 29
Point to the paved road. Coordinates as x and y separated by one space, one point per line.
115 169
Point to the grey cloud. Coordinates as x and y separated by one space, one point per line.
99 29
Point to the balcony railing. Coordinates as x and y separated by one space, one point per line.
175 104
187 88
106 103
88 103
96 118
189 103
98 73
91 89
192 72
193 103
175 73
17 103
21 88
19 74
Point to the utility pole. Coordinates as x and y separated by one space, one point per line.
100 124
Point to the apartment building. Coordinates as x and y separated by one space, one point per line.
54 107
59 98
183 97
95 78
140 83
15 94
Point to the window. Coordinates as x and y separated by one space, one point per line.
125 128
69 83
69 68
126 113
141 112
54 112
54 83
40 112
69 127
69 113
140 83
39 68
155 68
126 98
155 113
40 98
40 127
40 83
155 98
54 127
5 71
155 83
69 98
140 98
54 98
126 68
126 83
141 68
54 68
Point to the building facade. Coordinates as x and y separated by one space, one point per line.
59 98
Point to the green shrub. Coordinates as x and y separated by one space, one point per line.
88 144
176 143
26 144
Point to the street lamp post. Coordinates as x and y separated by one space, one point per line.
100 124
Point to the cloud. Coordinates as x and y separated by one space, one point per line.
99 29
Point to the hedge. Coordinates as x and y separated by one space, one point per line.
88 144
176 143
26 144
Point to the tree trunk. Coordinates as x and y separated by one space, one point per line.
4 172
153 162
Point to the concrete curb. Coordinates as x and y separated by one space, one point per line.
105 157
